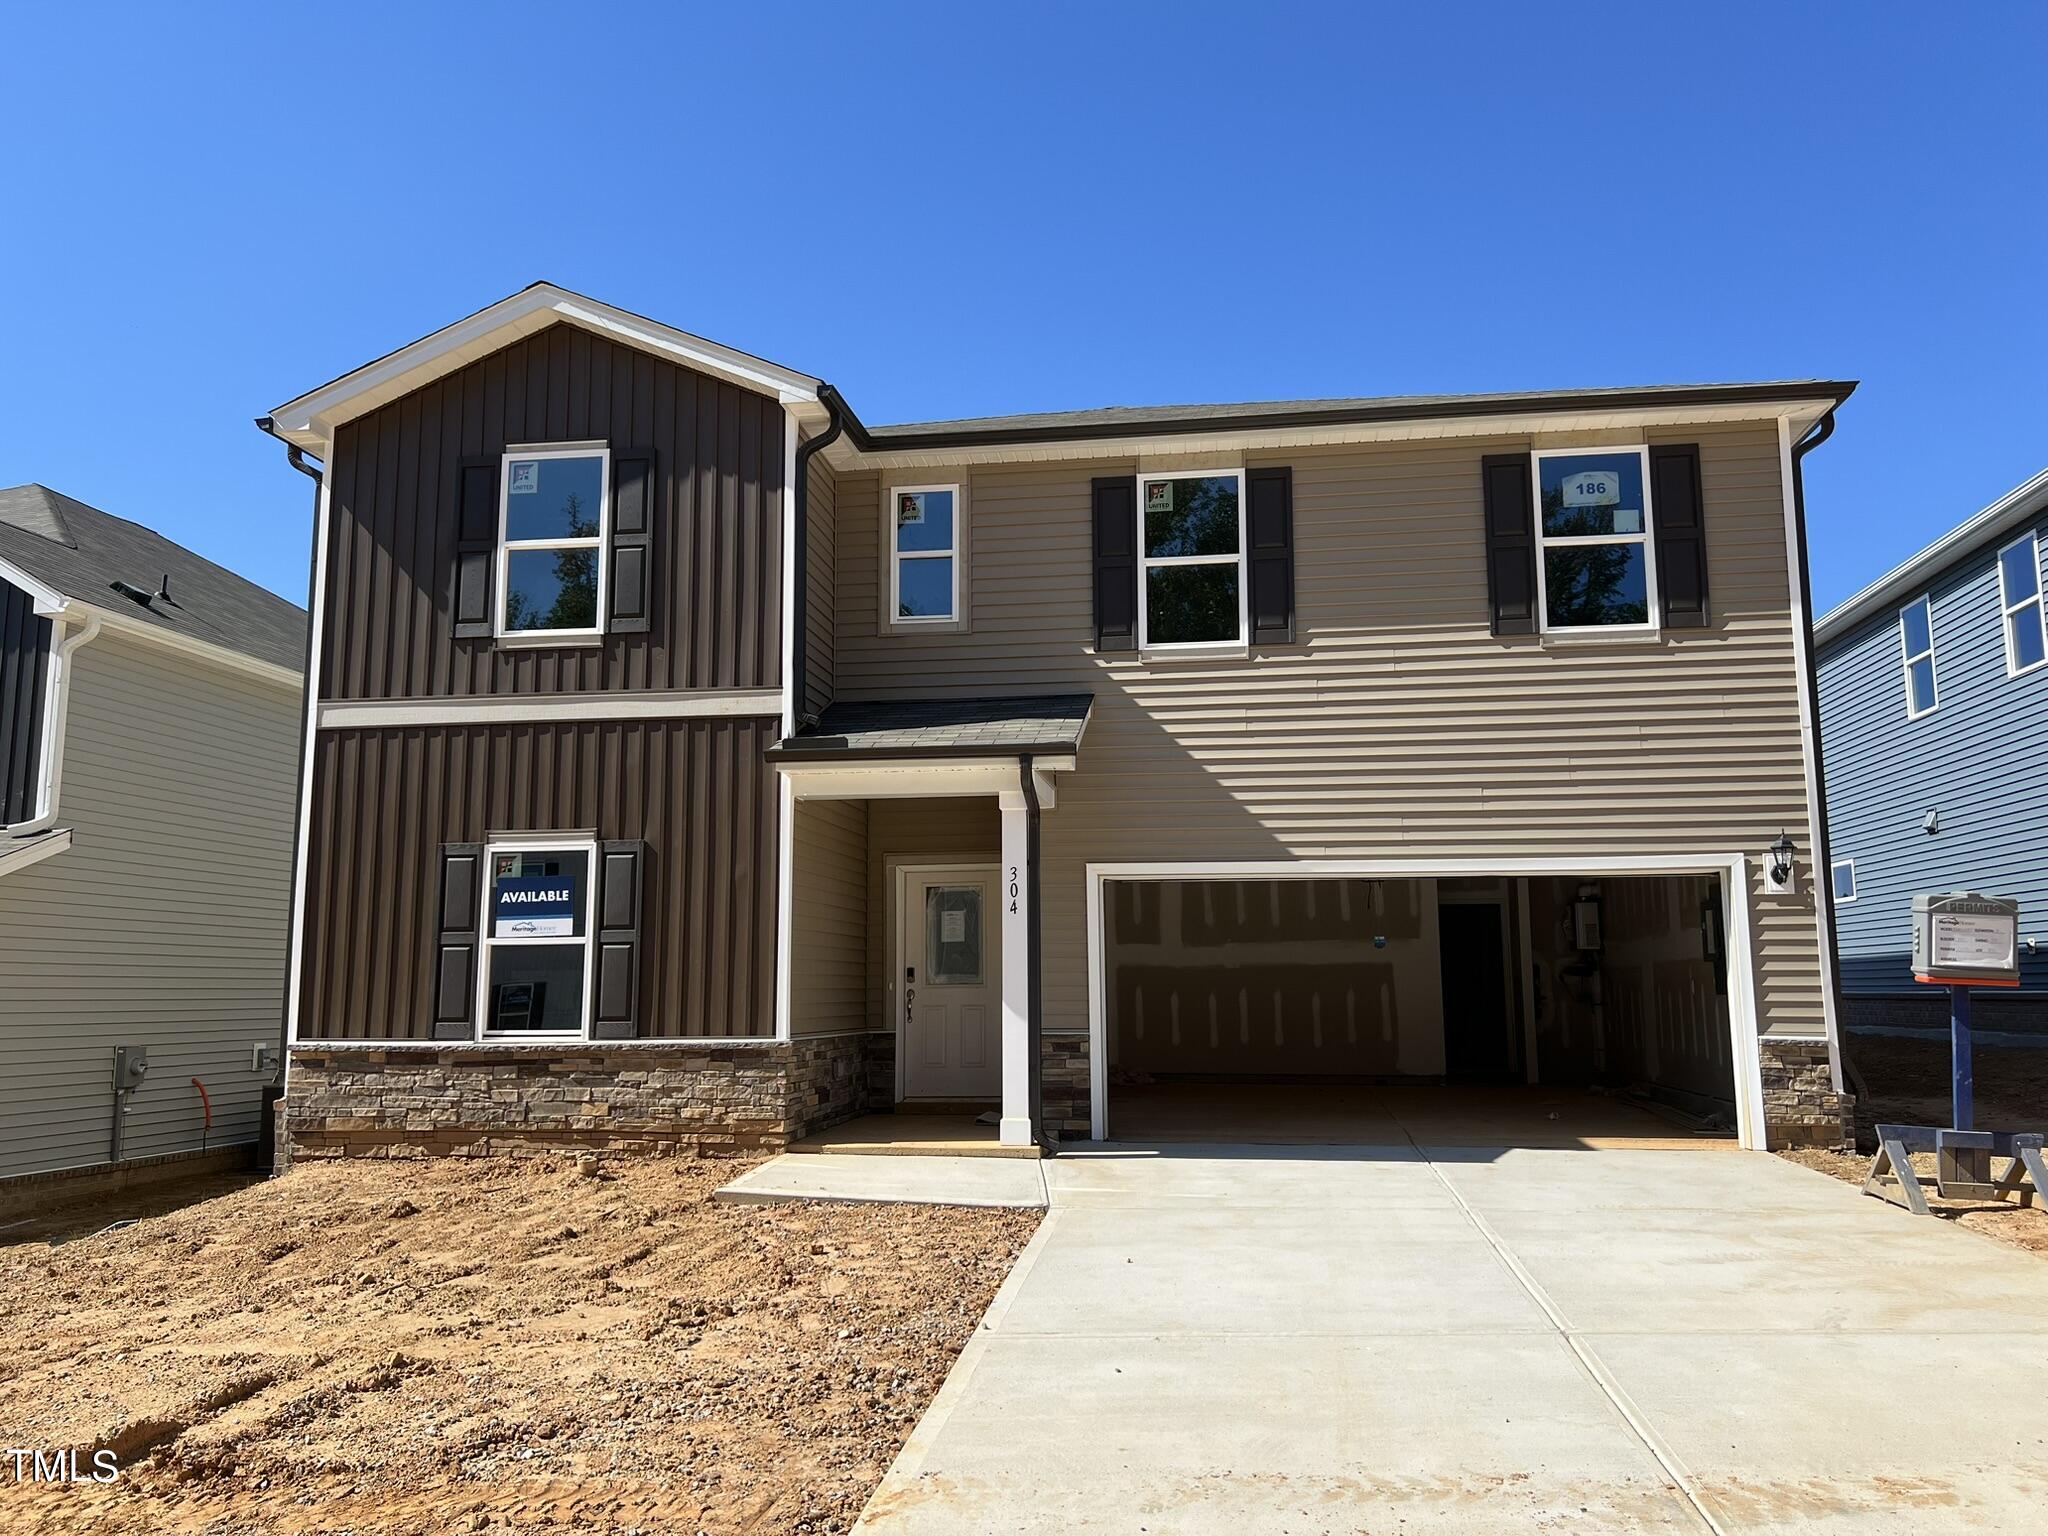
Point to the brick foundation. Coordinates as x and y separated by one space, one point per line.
1064 1084
1801 1107
701 1097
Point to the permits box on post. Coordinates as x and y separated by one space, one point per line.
1966 939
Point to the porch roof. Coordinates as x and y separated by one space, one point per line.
1041 725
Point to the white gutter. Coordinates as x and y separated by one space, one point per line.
2010 511
51 768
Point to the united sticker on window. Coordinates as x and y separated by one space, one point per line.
525 479
909 509
1159 496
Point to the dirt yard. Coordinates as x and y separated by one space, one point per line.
2008 1223
1908 1081
503 1347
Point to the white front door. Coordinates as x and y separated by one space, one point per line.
949 985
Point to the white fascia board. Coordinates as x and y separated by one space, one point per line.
310 420
508 709
53 842
199 650
49 602
900 778
1540 426
2010 512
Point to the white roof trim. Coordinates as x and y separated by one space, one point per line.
2012 510
50 603
54 841
310 420
1538 425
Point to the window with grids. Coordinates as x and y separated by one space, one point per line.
536 971
1593 529
1916 655
2019 601
551 540
1191 590
925 568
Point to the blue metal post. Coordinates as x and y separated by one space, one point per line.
1959 1057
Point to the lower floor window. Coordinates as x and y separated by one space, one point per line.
537 939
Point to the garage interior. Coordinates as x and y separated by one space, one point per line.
1537 1010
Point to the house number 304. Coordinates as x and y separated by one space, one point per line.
1013 887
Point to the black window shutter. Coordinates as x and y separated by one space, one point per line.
622 869
1116 563
1271 521
1680 518
632 540
476 546
459 931
1510 543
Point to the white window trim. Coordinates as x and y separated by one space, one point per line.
898 555
1906 659
601 542
486 941
1840 899
2008 610
1237 644
1647 538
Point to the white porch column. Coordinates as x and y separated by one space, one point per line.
1013 890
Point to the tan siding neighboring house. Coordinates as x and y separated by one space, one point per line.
164 924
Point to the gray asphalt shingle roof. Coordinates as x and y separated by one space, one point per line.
80 551
1043 724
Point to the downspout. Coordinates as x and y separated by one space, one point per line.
1823 860
297 459
1034 1027
800 554
53 728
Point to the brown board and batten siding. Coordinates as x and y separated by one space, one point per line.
24 690
716 594
1397 725
698 792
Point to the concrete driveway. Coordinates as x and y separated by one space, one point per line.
1299 1340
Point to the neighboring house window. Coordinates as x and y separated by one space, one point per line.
924 570
1191 589
1844 871
2019 597
536 970
551 519
1593 565
1916 648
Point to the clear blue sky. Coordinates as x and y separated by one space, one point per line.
208 210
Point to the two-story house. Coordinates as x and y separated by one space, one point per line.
693 763
1934 711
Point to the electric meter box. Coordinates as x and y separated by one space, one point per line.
1966 938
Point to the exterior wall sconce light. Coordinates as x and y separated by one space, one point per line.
1778 867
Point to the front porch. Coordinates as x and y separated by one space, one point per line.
912 910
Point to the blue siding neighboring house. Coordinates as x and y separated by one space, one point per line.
1970 752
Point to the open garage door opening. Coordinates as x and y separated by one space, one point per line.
1520 1010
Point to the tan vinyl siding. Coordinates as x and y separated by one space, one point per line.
164 925
1399 726
956 830
829 918
820 619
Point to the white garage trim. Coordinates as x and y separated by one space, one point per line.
1744 1007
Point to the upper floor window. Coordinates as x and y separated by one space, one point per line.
551 558
1593 528
2019 599
1916 653
1191 589
1843 872
924 565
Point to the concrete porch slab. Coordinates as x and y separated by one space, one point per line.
905 1180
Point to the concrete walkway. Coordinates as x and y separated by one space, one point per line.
1291 1340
